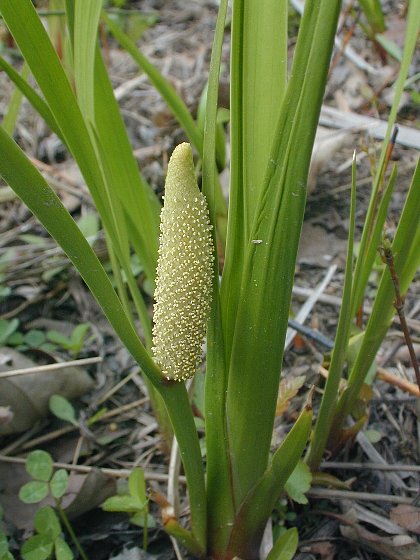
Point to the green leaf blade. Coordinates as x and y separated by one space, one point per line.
86 18
127 504
32 96
256 508
137 485
39 465
46 523
59 483
33 492
125 184
38 547
174 102
329 399
220 500
285 547
405 249
62 550
298 483
62 408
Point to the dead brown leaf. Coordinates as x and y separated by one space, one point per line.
27 395
318 247
325 550
407 516
12 477
85 492
399 547
289 387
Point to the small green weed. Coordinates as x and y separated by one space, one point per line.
39 466
135 503
5 553
63 409
73 343
49 341
48 539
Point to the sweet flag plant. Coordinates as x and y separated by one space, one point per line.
274 113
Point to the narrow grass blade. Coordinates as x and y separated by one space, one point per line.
177 404
220 132
32 96
220 506
365 259
168 93
329 398
372 232
374 14
70 11
86 18
11 115
35 45
120 246
405 249
184 537
139 202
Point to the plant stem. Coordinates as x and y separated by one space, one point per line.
145 535
178 406
69 528
388 258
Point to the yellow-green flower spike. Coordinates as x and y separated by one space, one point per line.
184 271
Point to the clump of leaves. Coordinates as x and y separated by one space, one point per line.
39 465
33 339
7 329
5 553
11 335
72 343
48 539
135 503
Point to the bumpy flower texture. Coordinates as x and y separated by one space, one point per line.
184 271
